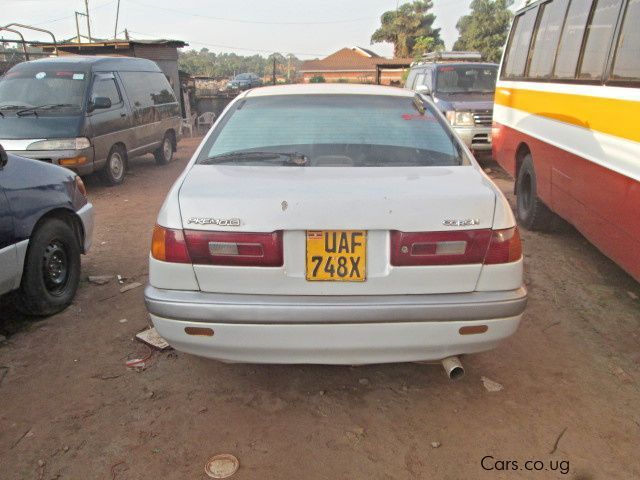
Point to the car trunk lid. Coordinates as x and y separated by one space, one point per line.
375 200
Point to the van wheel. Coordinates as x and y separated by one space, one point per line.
113 172
164 153
532 213
51 270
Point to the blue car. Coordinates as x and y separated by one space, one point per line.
46 223
245 81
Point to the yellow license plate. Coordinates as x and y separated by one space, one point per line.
337 255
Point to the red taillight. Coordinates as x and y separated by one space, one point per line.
168 245
455 248
439 248
231 248
505 246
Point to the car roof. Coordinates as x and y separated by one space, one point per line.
328 89
453 64
93 63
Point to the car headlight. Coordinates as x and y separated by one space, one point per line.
61 144
461 119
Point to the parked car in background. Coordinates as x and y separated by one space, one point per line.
46 222
566 121
244 81
89 114
462 87
334 224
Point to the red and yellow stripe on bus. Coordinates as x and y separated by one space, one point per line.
585 142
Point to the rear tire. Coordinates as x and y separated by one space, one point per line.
532 213
164 153
51 270
114 170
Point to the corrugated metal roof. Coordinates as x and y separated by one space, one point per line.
343 59
66 44
348 59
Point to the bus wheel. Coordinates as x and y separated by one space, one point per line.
532 213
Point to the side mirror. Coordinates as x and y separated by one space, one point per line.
423 90
100 103
3 158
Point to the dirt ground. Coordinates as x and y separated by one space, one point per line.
70 409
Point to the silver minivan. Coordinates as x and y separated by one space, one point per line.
89 114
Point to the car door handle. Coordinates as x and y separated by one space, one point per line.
123 114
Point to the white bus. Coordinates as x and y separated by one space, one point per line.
567 120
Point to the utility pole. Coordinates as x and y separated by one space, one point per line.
86 9
274 69
115 31
78 28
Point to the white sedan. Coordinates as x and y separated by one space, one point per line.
334 224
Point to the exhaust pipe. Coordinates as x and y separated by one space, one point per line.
453 368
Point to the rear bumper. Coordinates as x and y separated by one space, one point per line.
235 308
334 344
334 330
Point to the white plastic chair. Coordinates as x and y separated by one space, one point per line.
206 119
188 124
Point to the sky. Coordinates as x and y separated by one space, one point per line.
307 28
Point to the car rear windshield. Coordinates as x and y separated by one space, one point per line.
57 89
332 130
466 79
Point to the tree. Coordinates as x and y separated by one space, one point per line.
405 25
425 45
225 65
485 29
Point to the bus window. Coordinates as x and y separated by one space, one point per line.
599 37
517 51
626 65
571 40
546 40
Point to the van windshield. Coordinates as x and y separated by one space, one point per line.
466 79
56 89
326 130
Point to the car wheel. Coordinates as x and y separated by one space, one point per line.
532 213
114 170
51 270
164 153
